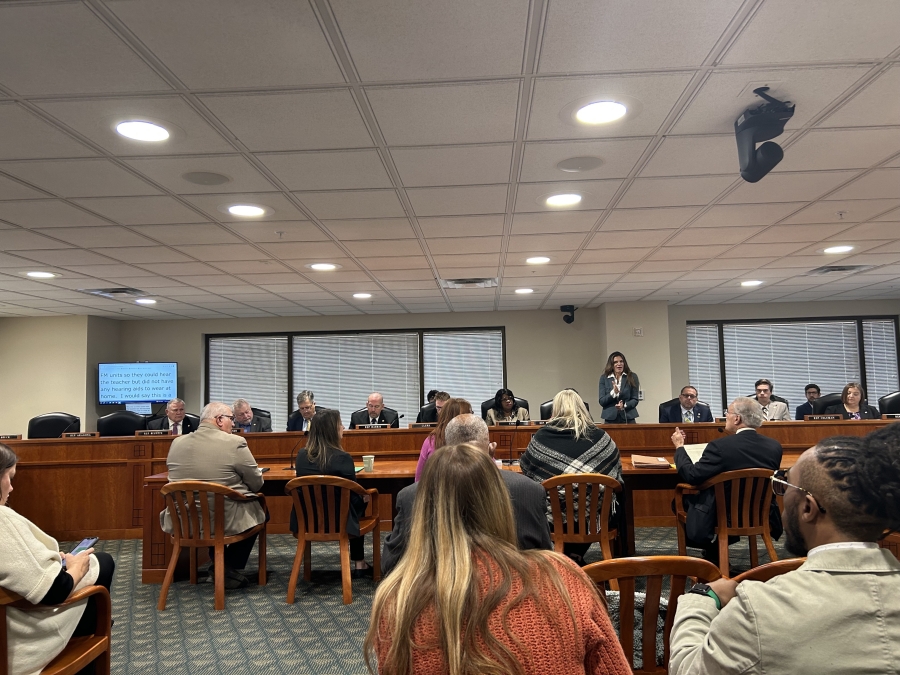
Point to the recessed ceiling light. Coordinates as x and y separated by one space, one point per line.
41 275
752 282
142 131
524 291
567 199
248 210
579 164
537 260
362 296
322 267
205 178
839 249
145 301
601 112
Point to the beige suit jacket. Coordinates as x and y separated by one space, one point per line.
838 613
492 418
778 412
212 455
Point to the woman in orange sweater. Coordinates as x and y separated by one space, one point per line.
464 599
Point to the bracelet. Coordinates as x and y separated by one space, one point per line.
711 593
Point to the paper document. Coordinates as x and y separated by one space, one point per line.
645 462
694 451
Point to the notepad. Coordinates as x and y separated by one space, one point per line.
645 462
695 451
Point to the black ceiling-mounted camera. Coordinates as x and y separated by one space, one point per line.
756 125
570 313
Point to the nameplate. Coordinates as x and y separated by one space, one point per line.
81 434
422 425
721 420
822 418
152 432
886 416
513 423
537 423
372 426
10 437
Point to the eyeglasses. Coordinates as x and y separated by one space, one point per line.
780 486
689 396
230 417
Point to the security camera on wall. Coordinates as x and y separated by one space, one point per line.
569 311
756 125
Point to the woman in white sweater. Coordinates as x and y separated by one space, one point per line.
31 565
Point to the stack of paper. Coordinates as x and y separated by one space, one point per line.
644 462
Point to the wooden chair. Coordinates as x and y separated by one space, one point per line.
748 507
625 570
770 570
80 651
313 498
588 509
891 541
191 529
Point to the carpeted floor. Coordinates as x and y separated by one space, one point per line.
259 632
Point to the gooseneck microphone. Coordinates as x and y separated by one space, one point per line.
69 426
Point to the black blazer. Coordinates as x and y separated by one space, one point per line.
295 420
386 417
427 413
672 414
866 412
258 424
340 465
744 450
163 423
803 410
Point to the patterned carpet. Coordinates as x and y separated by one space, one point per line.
259 632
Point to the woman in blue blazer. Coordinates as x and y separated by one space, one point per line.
619 389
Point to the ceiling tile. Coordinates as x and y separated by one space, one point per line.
876 104
169 172
221 252
276 230
674 191
785 187
462 226
97 237
178 235
649 219
68 257
535 244
22 240
710 236
48 213
453 201
269 122
141 210
26 136
615 240
385 247
357 204
13 189
304 250
64 48
444 114
618 157
845 212
328 170
594 195
554 221
770 248
694 156
459 165
448 246
383 228
743 215
216 206
880 184
145 254
840 149
227 43
80 178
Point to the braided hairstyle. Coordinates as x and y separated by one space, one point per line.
858 480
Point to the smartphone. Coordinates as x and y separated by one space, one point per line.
83 546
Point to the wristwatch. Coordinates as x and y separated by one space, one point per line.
704 589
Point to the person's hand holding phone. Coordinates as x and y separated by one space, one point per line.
78 564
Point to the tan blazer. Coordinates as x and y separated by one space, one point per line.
212 455
492 418
778 412
838 613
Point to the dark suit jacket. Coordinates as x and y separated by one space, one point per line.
744 450
163 423
803 410
628 394
672 414
258 424
427 413
529 502
867 412
340 465
295 420
386 417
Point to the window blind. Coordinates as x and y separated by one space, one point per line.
704 370
791 355
342 370
880 345
465 364
254 368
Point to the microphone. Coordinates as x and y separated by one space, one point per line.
70 425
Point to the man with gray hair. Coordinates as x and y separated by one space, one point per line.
529 499
214 454
306 409
246 421
744 448
175 421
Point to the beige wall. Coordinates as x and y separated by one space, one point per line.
103 346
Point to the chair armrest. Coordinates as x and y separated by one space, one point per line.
680 490
372 509
104 605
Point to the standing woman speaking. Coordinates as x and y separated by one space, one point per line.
619 389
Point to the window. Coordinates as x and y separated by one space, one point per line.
342 370
254 368
827 352
465 364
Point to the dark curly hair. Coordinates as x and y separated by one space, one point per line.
858 479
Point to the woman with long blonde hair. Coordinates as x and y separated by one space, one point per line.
465 600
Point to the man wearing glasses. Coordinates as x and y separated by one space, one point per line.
686 410
840 611
212 453
743 448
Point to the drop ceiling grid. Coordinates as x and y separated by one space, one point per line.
535 35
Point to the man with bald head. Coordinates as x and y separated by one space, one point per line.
375 413
839 612
529 499
212 453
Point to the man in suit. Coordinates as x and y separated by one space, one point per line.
812 393
430 412
174 421
838 613
306 410
375 413
246 421
686 410
214 454
529 499
772 410
744 448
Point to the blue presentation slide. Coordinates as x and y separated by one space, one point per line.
138 382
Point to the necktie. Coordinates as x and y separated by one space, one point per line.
766 411
374 421
175 429
688 416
